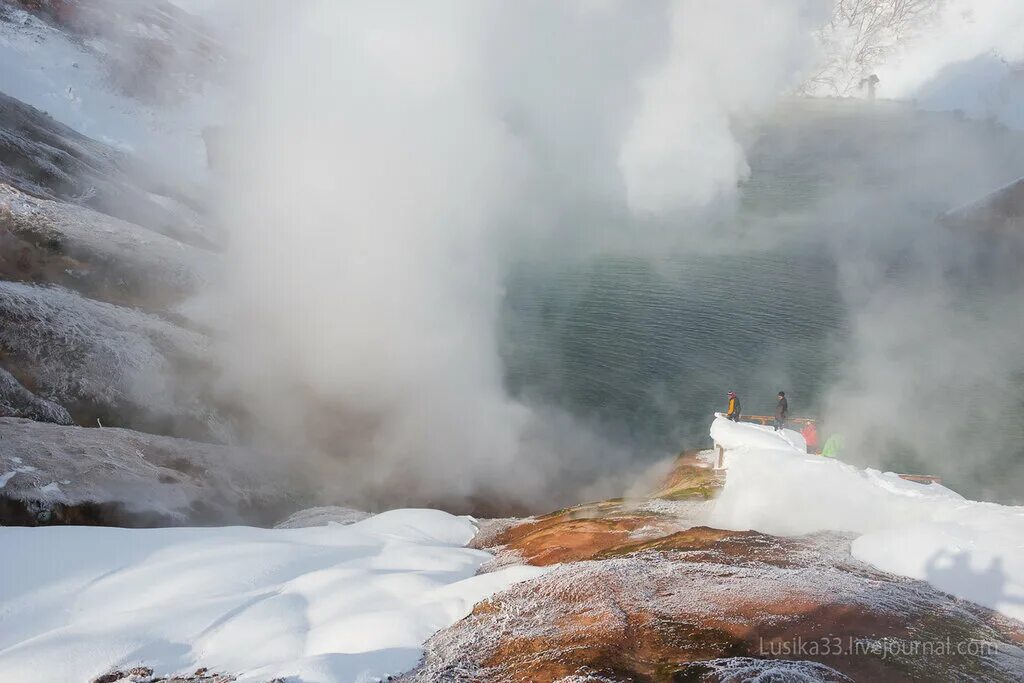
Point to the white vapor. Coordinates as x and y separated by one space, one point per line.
726 60
965 29
391 159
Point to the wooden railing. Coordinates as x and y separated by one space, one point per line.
770 419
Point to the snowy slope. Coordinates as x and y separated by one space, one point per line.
325 604
79 81
971 549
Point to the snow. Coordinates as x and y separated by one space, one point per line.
744 435
971 549
323 604
69 79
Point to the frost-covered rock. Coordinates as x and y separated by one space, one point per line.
322 516
51 474
46 158
17 401
705 604
106 362
100 256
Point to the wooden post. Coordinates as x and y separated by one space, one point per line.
721 458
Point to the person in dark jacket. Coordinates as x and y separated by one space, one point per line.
781 411
734 407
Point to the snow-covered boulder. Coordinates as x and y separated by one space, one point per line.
52 474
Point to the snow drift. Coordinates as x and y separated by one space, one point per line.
324 604
971 549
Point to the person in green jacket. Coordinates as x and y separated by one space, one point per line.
833 447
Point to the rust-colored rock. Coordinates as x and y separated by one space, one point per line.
705 604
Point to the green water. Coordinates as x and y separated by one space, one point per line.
644 349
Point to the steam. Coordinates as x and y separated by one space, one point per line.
931 381
726 60
965 29
392 159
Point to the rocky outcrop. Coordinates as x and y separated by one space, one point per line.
144 674
699 604
1000 213
108 363
45 158
51 474
104 258
642 592
17 401
153 50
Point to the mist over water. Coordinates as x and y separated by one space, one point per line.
515 249
833 281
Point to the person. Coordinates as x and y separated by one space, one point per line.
833 447
781 411
810 434
734 407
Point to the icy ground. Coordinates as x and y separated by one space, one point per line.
327 604
971 549
70 78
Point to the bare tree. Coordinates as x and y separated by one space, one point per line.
860 35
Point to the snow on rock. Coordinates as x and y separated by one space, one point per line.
137 75
734 436
17 401
744 669
51 474
971 549
101 256
99 360
47 159
321 604
322 516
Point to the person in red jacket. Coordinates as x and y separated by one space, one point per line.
810 434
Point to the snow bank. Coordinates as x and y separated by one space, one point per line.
325 604
971 549
734 436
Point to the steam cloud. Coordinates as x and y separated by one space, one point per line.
390 161
931 380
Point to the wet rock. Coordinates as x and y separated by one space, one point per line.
51 474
